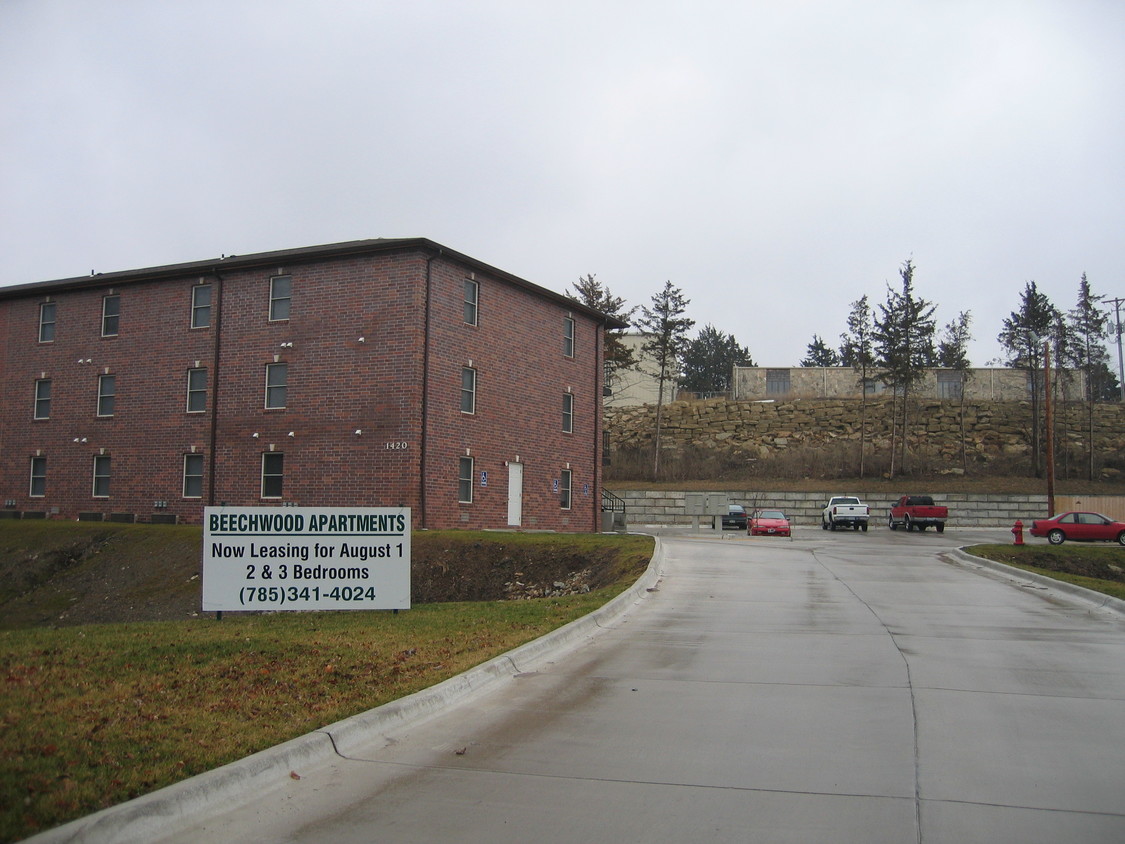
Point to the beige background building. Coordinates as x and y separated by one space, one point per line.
992 384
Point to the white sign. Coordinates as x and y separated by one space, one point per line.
306 558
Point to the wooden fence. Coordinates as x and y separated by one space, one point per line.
1108 505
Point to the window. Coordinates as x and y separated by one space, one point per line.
281 295
201 306
277 376
465 481
111 315
47 322
107 394
468 390
949 384
872 387
43 399
568 337
777 381
273 473
196 390
193 476
564 489
472 297
568 413
101 475
38 477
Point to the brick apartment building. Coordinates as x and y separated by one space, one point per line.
386 372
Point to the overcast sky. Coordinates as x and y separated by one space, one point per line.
774 160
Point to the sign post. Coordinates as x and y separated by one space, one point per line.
306 558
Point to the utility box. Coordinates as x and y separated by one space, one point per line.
712 505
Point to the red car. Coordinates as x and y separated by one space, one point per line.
768 523
1079 527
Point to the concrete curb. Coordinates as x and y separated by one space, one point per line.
164 812
1089 597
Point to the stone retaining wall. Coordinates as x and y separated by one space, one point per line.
666 507
760 430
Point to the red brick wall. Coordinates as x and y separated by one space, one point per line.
517 351
337 384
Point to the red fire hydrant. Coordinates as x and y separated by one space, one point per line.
1017 530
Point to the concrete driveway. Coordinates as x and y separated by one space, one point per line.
839 687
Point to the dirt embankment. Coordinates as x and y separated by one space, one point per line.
103 575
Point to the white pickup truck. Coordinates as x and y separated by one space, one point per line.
844 511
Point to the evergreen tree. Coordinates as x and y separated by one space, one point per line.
953 354
666 329
593 294
903 336
820 354
857 350
1088 328
709 361
1024 336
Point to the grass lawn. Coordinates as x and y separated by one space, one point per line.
1100 568
96 714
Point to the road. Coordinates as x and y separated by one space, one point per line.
839 687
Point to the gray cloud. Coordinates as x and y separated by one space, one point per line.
775 161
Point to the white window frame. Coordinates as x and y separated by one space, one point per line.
568 336
48 319
103 472
273 389
111 322
279 303
471 311
468 391
194 391
465 470
200 311
193 461
568 413
267 457
107 398
566 479
38 462
42 406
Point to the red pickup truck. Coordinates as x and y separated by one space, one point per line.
917 512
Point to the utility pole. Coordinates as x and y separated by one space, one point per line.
1120 360
1050 429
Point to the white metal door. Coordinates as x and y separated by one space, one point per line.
515 494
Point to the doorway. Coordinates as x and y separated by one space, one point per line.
515 494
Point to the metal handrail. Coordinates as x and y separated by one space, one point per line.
612 503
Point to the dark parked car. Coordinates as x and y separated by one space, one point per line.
735 517
1079 527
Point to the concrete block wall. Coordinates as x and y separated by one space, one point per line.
666 507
